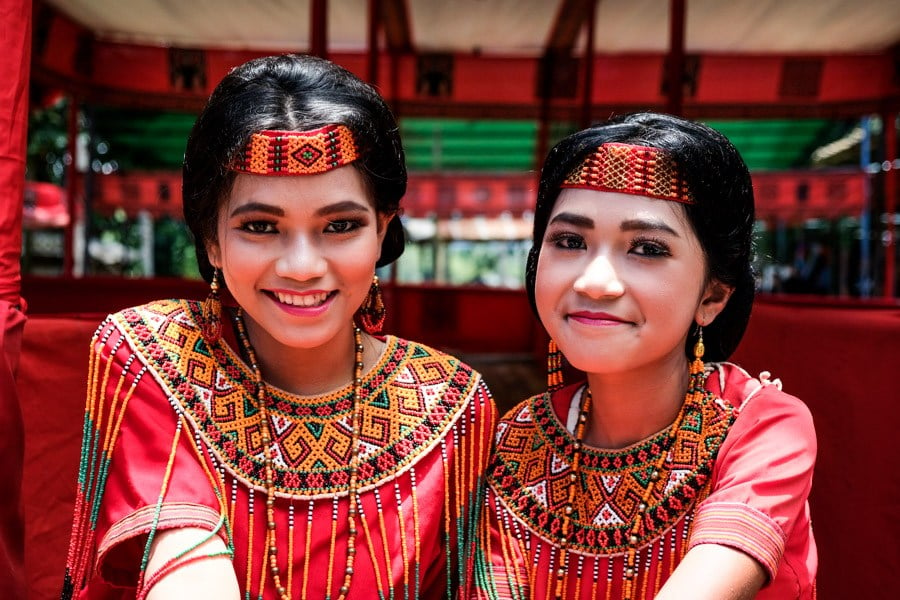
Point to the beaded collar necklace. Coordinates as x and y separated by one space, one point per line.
695 396
261 397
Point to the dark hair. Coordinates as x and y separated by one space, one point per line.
722 215
290 93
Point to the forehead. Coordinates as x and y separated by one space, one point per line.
344 183
613 208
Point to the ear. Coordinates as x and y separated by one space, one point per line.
214 254
712 302
383 220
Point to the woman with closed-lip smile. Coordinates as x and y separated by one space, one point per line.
269 442
655 475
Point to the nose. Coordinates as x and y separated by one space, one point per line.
600 279
301 259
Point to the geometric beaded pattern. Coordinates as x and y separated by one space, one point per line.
532 462
409 400
629 169
297 152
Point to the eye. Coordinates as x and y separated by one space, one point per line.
650 248
342 226
258 227
568 241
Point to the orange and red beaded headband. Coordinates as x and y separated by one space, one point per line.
297 152
629 169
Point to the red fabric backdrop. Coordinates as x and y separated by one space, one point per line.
15 50
841 360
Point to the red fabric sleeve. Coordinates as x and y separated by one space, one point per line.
154 454
762 479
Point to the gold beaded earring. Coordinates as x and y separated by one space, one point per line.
211 328
699 351
372 312
554 367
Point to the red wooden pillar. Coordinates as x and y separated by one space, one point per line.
588 91
318 28
372 57
890 201
71 189
675 71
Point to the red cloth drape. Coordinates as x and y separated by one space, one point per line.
15 52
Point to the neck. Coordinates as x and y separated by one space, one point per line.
311 371
629 407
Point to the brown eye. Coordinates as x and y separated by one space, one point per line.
258 227
342 226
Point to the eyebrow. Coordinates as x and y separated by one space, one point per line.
577 220
647 225
276 211
573 219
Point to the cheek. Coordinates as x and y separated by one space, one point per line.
549 285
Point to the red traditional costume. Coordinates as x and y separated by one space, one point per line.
172 439
737 473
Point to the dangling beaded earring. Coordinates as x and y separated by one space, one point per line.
372 312
699 349
211 328
554 367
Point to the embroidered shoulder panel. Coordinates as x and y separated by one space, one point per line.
411 398
532 462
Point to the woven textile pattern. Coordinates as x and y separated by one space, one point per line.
532 463
628 169
403 417
297 152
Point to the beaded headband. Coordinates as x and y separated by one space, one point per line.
297 152
629 169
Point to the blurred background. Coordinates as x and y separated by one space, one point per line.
808 90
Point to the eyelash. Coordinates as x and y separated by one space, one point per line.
659 248
561 240
656 247
339 226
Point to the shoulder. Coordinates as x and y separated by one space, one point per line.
766 416
159 312
751 396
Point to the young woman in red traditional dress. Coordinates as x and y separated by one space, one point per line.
656 476
273 445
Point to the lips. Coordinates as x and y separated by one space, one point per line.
596 319
312 303
306 300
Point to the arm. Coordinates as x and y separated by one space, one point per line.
203 573
738 577
756 514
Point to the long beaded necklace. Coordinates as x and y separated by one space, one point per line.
694 396
270 450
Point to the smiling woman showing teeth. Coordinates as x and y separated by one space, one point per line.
655 475
270 442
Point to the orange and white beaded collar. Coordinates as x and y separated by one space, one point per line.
629 169
297 152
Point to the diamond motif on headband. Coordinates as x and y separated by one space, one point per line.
307 155
629 169
297 152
